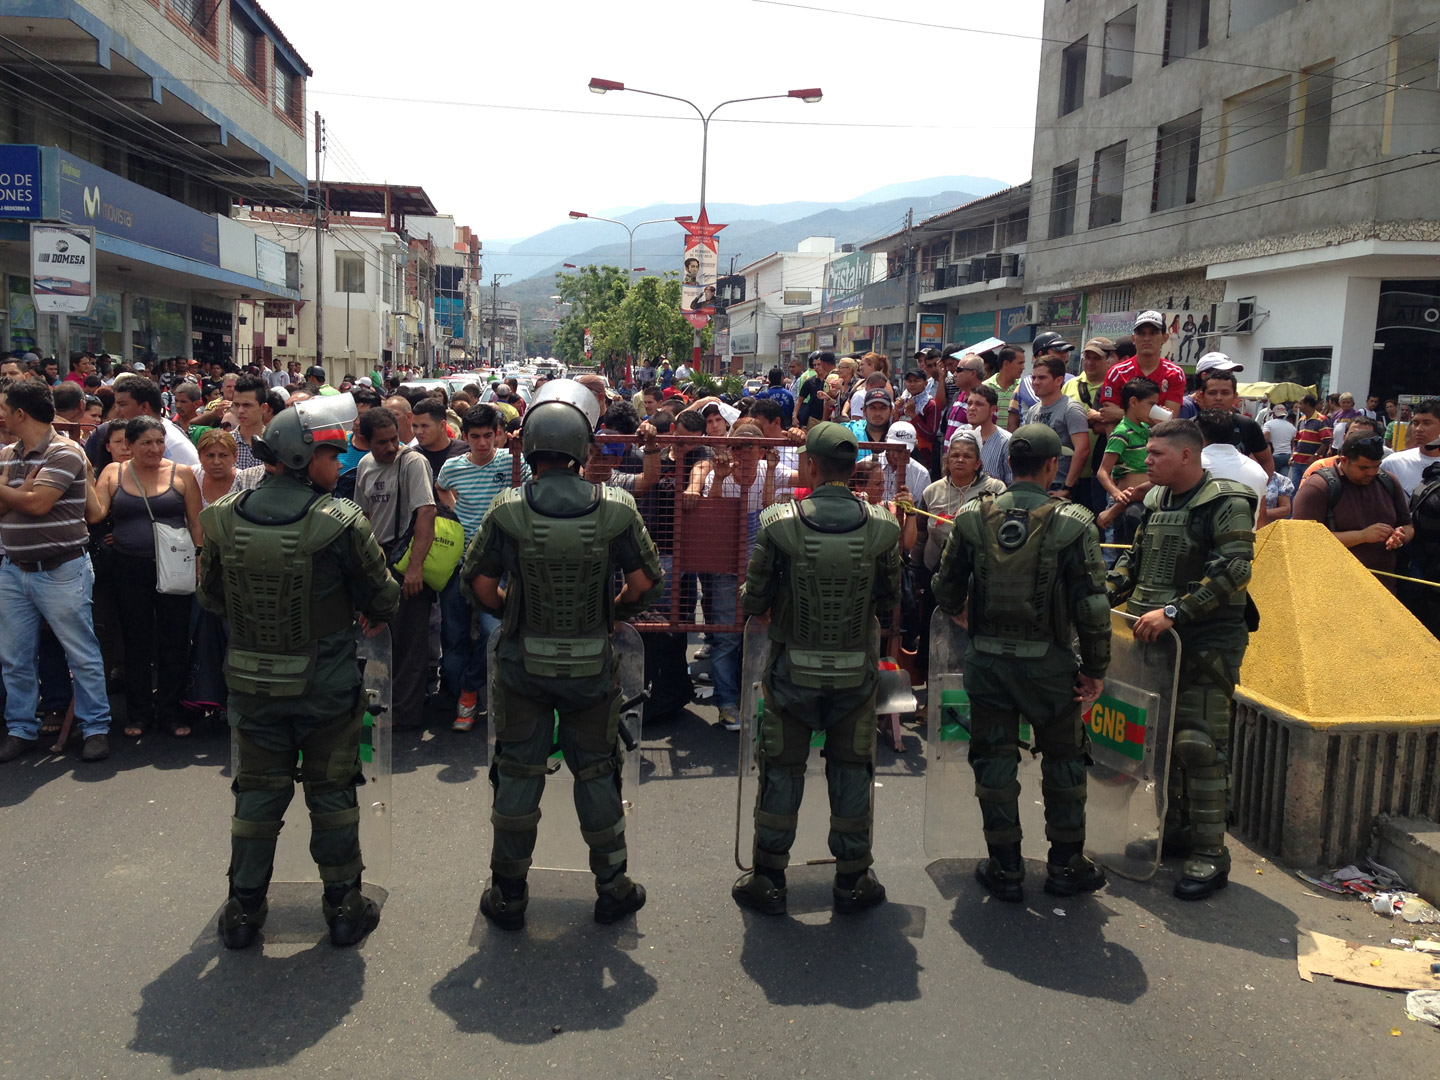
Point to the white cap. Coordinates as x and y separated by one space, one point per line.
1216 361
1149 318
364 380
902 434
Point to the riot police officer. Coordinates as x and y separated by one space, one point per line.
560 541
289 565
1189 568
1030 566
819 569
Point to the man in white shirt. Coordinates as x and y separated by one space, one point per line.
1222 457
1408 465
917 477
138 396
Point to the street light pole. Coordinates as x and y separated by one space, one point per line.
604 86
577 215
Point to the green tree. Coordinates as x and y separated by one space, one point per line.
592 292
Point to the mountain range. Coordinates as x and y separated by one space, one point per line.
751 233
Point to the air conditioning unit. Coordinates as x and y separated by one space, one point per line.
1234 318
1034 313
992 267
1009 264
977 269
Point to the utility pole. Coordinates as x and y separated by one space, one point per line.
909 267
494 312
319 258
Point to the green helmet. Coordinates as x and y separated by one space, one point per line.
560 420
291 438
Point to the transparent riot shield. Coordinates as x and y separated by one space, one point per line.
293 864
812 834
953 828
1130 730
560 846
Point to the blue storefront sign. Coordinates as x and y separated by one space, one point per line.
90 195
1013 327
20 182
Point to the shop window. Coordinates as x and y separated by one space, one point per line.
1248 14
349 272
1117 64
1414 124
976 241
1305 367
1063 182
1187 28
1107 186
1177 163
1014 229
1253 139
1317 99
245 43
1072 76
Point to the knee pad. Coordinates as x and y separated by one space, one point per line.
1195 749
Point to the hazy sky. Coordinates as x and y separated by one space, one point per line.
408 91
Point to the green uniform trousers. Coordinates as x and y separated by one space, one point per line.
276 749
1198 802
1042 691
792 714
525 736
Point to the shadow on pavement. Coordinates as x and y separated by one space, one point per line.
1032 942
854 961
562 973
217 1009
1237 916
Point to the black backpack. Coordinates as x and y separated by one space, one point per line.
1425 504
1333 483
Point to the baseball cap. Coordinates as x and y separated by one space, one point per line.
729 412
1035 440
1149 318
1216 361
913 372
364 380
902 434
878 394
926 353
1050 340
1280 411
1102 345
833 442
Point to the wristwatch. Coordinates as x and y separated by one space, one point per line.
1170 611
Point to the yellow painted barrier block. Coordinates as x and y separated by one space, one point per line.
1335 649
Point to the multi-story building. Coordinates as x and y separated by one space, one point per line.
787 309
955 277
146 120
1264 171
377 280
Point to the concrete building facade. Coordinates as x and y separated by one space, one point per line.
146 120
1261 170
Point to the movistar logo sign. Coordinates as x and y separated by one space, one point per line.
92 201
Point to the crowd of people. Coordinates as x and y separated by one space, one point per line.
98 457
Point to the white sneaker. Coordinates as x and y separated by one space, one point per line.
702 653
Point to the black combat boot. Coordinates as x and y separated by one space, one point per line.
761 890
1068 872
505 901
857 892
1003 872
612 907
350 913
242 917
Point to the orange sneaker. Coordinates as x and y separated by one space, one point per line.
465 718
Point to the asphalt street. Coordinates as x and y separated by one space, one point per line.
113 874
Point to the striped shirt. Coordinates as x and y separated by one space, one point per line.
60 531
1312 438
475 486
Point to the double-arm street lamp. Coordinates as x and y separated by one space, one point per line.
576 215
604 86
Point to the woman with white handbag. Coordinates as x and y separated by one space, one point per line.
155 505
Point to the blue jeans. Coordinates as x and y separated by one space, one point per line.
60 597
463 661
1297 471
725 649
